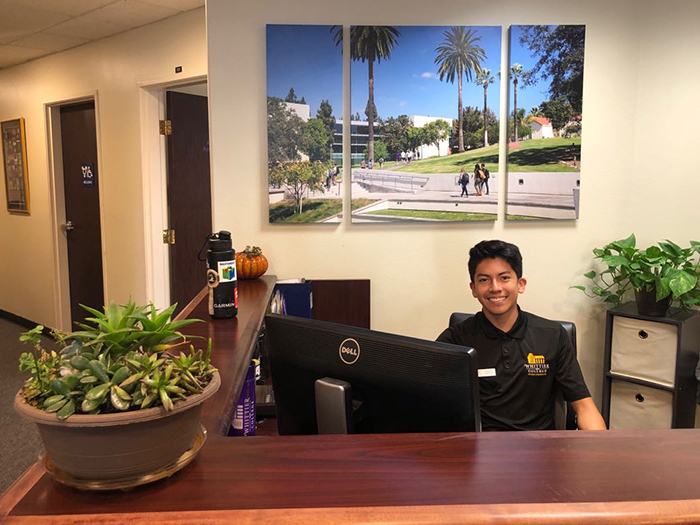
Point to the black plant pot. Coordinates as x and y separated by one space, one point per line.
648 305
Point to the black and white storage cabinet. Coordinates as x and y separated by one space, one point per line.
650 369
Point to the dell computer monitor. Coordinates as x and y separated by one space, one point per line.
396 383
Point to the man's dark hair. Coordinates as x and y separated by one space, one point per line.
496 249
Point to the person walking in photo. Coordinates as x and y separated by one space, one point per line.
478 180
380 161
463 181
403 156
487 176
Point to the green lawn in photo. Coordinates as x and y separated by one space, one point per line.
538 155
511 217
438 215
314 210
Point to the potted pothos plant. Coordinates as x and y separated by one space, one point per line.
120 398
659 275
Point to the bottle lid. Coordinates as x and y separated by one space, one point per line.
220 242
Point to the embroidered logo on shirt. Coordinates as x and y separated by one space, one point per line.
536 365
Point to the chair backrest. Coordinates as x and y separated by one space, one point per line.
564 415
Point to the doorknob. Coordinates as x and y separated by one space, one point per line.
68 226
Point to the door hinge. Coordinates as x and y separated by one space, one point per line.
168 236
166 127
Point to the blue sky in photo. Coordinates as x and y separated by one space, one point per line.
407 83
304 57
532 95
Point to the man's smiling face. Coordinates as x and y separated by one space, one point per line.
497 287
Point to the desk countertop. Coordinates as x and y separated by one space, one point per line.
583 477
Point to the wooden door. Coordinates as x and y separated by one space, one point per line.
189 193
81 179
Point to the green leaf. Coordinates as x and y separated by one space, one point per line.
94 312
89 405
671 248
578 287
67 410
629 242
615 260
148 400
120 375
590 274
121 393
59 386
87 380
98 370
97 392
56 406
165 399
79 362
53 399
681 282
117 401
662 288
72 382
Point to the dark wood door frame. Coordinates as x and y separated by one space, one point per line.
152 95
52 112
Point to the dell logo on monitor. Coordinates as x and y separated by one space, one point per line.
349 351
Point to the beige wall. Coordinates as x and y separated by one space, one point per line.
641 68
112 67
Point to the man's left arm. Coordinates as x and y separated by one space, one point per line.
587 415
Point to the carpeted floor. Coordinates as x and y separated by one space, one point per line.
19 440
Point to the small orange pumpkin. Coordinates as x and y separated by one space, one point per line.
251 263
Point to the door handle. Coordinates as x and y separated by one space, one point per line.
69 226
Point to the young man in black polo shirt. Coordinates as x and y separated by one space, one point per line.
521 357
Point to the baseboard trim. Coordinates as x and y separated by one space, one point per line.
22 321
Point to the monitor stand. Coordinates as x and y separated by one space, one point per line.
334 414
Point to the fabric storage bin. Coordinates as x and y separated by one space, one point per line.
644 350
635 406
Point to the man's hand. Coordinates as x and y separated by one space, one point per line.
587 415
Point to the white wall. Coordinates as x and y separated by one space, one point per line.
112 67
641 59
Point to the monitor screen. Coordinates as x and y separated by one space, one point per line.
397 383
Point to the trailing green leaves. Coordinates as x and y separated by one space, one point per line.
666 268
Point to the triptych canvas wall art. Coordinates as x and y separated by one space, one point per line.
425 123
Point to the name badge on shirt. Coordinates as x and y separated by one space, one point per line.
486 372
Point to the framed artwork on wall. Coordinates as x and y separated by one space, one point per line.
545 120
304 124
425 123
14 153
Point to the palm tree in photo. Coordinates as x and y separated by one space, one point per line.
370 44
484 78
516 71
459 55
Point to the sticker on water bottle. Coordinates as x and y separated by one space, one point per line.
227 271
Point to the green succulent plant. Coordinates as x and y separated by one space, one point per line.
124 359
666 268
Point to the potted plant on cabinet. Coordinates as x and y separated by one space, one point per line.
658 275
120 401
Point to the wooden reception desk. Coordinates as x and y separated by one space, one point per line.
526 477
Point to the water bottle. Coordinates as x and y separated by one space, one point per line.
221 276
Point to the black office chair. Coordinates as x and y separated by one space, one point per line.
564 415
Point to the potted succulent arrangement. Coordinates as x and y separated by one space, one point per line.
658 275
120 400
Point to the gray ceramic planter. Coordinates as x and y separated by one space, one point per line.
121 445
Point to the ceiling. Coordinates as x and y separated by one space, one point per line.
30 29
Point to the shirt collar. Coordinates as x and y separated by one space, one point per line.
516 332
